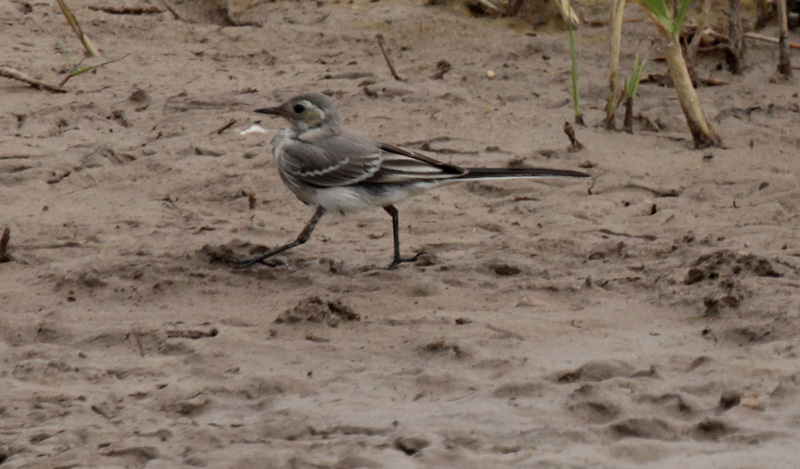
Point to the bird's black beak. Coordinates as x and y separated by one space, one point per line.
275 111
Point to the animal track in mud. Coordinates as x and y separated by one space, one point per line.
515 390
607 394
595 411
99 157
315 309
597 371
443 348
719 275
644 427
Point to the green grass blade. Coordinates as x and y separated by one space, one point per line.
636 76
659 10
75 67
90 68
638 69
658 7
63 51
681 16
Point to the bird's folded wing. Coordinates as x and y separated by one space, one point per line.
328 165
400 165
341 161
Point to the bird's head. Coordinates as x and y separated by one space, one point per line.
308 112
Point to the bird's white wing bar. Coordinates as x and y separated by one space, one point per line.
314 166
401 165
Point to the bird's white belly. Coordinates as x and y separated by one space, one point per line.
347 199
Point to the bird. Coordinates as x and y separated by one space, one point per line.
337 171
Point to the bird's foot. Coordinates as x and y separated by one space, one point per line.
399 260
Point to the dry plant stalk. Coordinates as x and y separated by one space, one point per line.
617 16
774 40
632 86
17 75
574 144
784 62
87 43
379 38
117 10
736 50
174 13
703 134
568 13
627 123
573 49
701 31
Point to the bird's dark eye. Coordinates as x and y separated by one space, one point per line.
299 108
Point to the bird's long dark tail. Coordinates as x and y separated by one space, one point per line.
496 173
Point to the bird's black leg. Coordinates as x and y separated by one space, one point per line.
301 238
392 210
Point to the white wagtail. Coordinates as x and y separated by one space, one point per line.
336 171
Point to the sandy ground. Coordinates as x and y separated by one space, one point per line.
647 318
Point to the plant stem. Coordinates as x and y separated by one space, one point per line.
736 51
574 71
73 22
691 51
568 13
702 132
617 14
774 40
628 122
784 62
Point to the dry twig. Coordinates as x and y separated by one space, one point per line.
774 40
225 127
575 145
172 10
13 74
379 37
112 10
